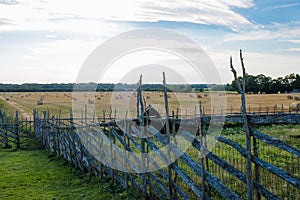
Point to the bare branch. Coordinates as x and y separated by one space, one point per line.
235 76
243 70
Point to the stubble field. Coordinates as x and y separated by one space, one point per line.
117 103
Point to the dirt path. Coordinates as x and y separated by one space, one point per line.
18 107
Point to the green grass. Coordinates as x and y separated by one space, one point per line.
32 173
6 108
273 155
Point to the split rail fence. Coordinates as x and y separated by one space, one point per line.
192 176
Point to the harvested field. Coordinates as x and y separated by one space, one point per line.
186 103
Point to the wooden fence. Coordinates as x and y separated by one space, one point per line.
9 131
218 174
231 170
192 176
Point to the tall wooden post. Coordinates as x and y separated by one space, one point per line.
168 137
53 137
17 131
142 120
201 153
44 131
35 121
242 88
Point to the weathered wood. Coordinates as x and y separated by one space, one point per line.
162 186
242 89
273 169
17 131
213 181
168 136
189 181
156 191
70 146
275 142
228 167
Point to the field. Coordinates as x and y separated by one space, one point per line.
62 181
185 103
33 173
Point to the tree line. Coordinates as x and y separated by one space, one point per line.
254 84
101 87
265 84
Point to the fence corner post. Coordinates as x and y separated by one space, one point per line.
17 131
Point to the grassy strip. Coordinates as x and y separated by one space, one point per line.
6 108
32 173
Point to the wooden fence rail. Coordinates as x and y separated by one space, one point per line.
80 145
77 140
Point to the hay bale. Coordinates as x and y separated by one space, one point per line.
41 100
297 98
295 106
199 96
289 97
91 101
7 99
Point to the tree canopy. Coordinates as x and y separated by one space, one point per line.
265 84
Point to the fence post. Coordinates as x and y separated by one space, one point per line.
201 153
168 137
275 108
34 122
44 137
256 167
53 140
141 118
242 89
125 149
4 126
175 142
17 131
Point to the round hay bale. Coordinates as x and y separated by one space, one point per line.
297 98
199 96
91 101
295 106
289 97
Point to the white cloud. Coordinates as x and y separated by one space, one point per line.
55 61
292 41
9 2
93 21
292 49
288 31
282 6
32 15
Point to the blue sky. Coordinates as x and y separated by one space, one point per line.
47 41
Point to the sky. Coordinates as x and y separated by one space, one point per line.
48 41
